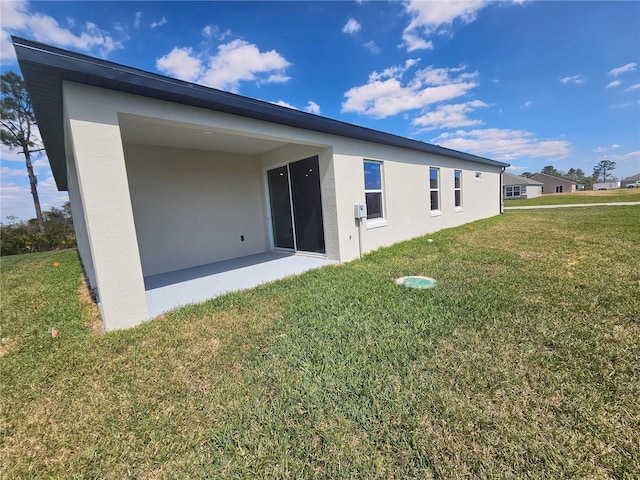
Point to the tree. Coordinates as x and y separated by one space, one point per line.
550 170
603 169
18 237
17 130
527 174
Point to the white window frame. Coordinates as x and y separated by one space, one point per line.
457 174
378 221
435 212
559 187
513 193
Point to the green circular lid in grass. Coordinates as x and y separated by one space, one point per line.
417 282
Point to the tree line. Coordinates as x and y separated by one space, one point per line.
50 230
601 172
18 237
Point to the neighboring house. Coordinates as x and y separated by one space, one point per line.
553 184
515 186
165 175
631 181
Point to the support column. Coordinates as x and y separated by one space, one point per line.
103 188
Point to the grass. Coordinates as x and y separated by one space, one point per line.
524 362
587 196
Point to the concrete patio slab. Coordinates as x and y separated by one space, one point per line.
192 285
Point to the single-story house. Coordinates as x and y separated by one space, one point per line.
165 176
631 181
553 184
516 186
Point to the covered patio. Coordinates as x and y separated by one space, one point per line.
170 290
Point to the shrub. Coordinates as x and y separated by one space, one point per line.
24 237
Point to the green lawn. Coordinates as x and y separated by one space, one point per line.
524 362
590 196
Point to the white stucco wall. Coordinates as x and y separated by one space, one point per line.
191 207
98 156
406 195
80 224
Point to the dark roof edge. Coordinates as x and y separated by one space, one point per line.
82 68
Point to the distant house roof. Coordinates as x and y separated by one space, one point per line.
552 177
632 178
44 68
509 179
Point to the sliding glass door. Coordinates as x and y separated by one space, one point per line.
296 206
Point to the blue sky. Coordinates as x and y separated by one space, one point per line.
529 83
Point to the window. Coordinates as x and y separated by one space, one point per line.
457 188
478 176
513 191
558 188
373 189
434 189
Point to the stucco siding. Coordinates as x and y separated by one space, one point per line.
97 153
550 183
80 224
192 207
407 211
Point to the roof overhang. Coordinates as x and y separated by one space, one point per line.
45 68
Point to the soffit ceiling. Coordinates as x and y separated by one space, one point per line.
164 134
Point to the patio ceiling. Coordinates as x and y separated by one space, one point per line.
147 131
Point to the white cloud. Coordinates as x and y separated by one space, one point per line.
528 103
614 84
629 67
517 170
352 26
633 87
13 172
626 104
388 93
137 20
276 78
372 47
614 146
159 23
10 155
238 61
181 63
504 145
282 103
431 16
16 199
449 116
213 31
577 79
312 107
233 63
17 18
414 42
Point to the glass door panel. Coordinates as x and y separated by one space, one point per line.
307 205
281 220
296 206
